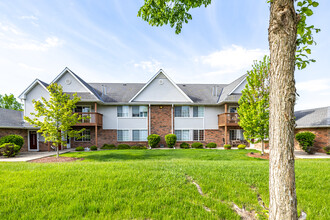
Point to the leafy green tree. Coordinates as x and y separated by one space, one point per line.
286 51
253 108
10 102
55 117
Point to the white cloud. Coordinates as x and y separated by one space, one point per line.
27 67
234 56
25 44
314 85
151 66
28 17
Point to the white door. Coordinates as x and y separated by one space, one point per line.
68 142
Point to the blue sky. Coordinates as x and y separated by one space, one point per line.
105 41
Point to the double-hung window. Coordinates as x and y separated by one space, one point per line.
123 135
84 136
122 111
139 111
198 135
236 134
198 111
181 111
140 135
182 135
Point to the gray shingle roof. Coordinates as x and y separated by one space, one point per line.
226 96
123 92
11 118
318 117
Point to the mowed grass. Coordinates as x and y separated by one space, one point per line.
152 184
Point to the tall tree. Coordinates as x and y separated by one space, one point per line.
10 102
284 23
253 108
55 117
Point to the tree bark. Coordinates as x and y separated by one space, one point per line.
282 36
262 147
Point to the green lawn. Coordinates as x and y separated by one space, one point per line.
152 184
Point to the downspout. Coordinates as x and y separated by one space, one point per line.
172 119
149 124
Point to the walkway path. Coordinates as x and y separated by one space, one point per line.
27 156
300 154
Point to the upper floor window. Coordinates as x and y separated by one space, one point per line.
198 111
82 108
233 109
181 111
122 111
139 111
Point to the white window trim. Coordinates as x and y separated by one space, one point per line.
80 140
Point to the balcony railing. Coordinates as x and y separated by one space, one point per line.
228 119
93 119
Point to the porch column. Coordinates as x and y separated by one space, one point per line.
96 135
95 107
226 111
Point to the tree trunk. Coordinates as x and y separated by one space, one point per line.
282 35
262 147
57 151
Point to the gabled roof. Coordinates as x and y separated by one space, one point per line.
31 86
152 79
318 117
81 81
227 94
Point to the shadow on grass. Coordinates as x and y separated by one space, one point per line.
192 154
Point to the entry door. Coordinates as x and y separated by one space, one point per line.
33 140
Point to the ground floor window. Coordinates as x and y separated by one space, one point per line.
84 136
236 134
123 135
140 135
182 135
198 135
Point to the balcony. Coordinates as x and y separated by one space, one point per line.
228 119
94 119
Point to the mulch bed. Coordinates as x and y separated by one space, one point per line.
258 155
55 160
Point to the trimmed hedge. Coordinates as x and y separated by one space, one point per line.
306 141
170 140
80 148
9 149
184 145
153 140
13 138
241 146
227 146
197 145
108 147
93 147
139 147
211 145
123 146
327 149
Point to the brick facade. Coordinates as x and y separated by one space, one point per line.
161 123
21 132
322 138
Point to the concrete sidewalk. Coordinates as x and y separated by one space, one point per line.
27 156
300 154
